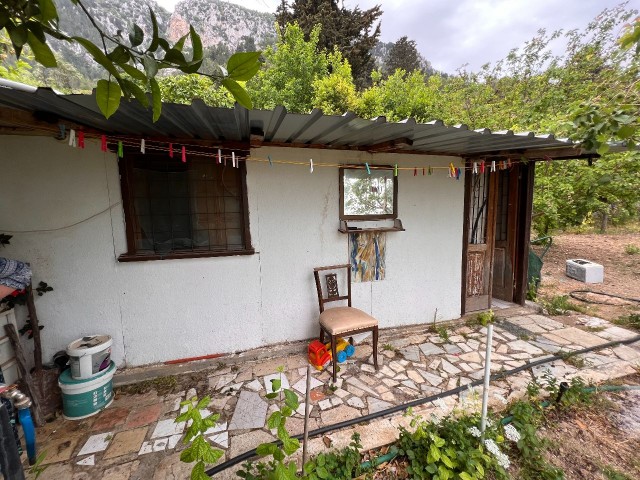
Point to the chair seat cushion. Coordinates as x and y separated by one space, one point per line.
338 320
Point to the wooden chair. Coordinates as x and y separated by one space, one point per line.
342 321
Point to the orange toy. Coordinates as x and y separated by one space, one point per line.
318 355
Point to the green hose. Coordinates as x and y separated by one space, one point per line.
374 462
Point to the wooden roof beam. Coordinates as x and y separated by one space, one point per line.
390 146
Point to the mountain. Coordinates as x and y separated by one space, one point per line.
219 24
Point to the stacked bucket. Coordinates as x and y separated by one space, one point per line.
87 386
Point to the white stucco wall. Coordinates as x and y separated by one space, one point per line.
162 310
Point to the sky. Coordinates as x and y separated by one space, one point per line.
451 34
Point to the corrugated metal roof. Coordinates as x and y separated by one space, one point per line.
278 127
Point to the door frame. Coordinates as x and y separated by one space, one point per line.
524 205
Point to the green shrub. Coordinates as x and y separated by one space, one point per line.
631 249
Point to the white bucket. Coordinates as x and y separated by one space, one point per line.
88 356
83 398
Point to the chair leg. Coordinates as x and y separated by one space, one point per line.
334 357
321 335
375 347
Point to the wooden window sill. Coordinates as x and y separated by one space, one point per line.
397 227
144 257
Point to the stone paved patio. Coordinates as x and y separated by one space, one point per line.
136 438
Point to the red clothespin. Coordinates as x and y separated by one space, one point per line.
423 171
103 143
184 154
171 150
482 166
80 139
415 171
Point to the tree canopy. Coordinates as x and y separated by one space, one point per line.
353 32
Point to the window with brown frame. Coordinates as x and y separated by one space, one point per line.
182 210
368 194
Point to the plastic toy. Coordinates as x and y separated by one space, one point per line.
344 350
318 355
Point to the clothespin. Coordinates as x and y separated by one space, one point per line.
120 149
458 173
171 150
270 162
142 146
452 170
80 139
482 166
311 165
368 169
493 165
233 159
509 162
219 156
423 171
395 170
430 170
72 138
475 168
62 128
103 143
184 154
415 171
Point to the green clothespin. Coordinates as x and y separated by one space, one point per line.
395 170
120 150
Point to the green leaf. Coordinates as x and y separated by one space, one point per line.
276 384
108 97
179 45
274 420
18 35
465 476
286 411
191 67
41 51
98 55
48 11
174 56
244 65
446 461
153 46
196 44
626 131
239 93
434 452
204 403
271 396
188 455
136 36
291 399
603 148
157 99
265 449
290 445
138 75
119 55
322 472
150 66
197 473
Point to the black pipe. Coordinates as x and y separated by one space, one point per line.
564 386
10 464
421 401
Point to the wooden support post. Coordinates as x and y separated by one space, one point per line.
35 328
24 373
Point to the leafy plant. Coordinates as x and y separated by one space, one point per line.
4 239
450 449
276 468
199 450
38 468
341 465
131 64
485 318
630 321
443 333
560 305
631 249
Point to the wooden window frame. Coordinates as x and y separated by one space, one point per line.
391 216
125 166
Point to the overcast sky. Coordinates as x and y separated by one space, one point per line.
453 33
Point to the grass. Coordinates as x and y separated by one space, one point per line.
575 361
443 333
611 473
560 304
631 321
389 348
162 385
631 249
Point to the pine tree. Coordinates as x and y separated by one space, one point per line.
353 32
403 55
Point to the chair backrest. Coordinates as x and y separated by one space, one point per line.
333 295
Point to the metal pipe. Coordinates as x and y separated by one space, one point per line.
17 86
487 378
421 401
307 400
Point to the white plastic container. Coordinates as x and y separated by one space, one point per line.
83 398
88 356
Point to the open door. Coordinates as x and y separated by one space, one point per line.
505 235
479 235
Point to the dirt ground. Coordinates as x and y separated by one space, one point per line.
621 271
588 443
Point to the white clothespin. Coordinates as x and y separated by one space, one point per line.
72 138
142 146
233 159
475 168
493 165
219 156
311 165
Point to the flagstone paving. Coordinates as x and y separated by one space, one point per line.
137 437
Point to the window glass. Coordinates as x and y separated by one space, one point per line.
368 194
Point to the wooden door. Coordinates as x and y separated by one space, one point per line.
505 234
479 232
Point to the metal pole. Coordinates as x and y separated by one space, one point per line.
487 377
307 402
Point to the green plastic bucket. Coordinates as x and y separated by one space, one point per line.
85 397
